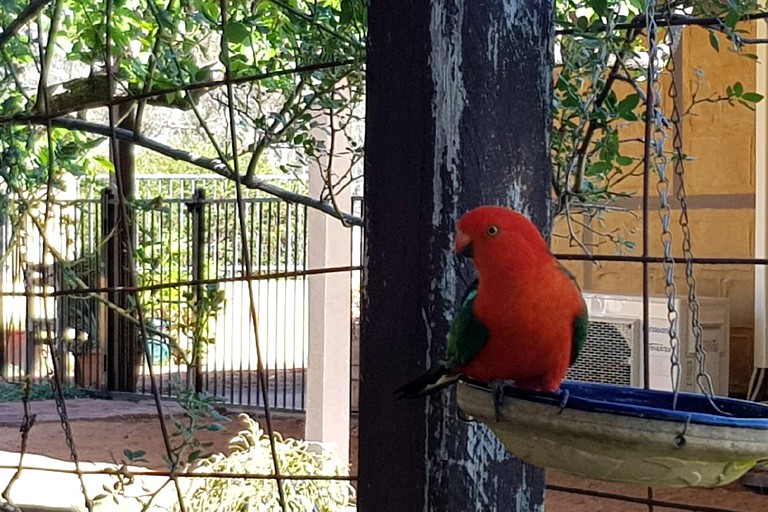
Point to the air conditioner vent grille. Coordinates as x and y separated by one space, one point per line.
607 354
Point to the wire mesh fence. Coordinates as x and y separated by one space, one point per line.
64 290
178 241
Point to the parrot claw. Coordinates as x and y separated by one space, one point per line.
562 397
497 387
463 416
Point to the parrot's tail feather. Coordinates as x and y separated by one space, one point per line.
426 384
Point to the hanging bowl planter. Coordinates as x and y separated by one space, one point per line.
630 435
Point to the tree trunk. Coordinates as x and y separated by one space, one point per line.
458 115
125 351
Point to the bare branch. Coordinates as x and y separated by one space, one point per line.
158 95
631 81
263 143
215 165
47 59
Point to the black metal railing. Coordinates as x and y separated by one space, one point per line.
192 290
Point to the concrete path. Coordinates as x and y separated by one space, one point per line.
49 488
46 490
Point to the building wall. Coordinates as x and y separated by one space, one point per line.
720 185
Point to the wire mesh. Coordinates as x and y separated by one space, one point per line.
269 234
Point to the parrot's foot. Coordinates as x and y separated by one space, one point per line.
497 387
463 416
562 397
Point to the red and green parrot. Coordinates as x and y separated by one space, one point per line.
523 320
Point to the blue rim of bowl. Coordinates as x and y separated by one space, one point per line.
648 404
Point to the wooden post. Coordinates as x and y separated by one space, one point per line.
126 355
458 115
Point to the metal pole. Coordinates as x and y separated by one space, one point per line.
197 210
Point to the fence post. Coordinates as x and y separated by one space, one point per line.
122 346
197 211
108 224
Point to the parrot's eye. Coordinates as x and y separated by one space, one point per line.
492 230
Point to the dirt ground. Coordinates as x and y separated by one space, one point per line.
100 439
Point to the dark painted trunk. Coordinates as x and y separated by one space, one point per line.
124 349
458 115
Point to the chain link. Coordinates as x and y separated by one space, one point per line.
703 379
659 163
58 396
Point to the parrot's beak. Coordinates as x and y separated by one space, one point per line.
463 244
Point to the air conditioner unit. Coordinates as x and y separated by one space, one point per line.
613 353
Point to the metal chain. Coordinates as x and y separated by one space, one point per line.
61 409
703 379
659 163
58 396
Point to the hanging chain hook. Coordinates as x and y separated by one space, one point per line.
703 379
659 163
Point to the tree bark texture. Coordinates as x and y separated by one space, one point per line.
458 115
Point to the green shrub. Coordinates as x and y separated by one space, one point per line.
250 453
13 392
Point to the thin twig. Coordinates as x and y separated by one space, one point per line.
328 174
639 22
594 124
258 149
152 64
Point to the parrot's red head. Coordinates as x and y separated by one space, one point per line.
491 233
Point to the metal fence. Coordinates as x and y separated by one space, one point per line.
194 298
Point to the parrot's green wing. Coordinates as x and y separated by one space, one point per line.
580 328
580 323
467 335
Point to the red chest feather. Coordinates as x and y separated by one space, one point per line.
530 324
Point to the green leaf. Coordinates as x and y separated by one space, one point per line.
211 11
624 160
752 97
731 19
629 103
236 32
713 41
599 6
104 162
133 455
599 168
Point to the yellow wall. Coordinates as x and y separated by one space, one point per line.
720 184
